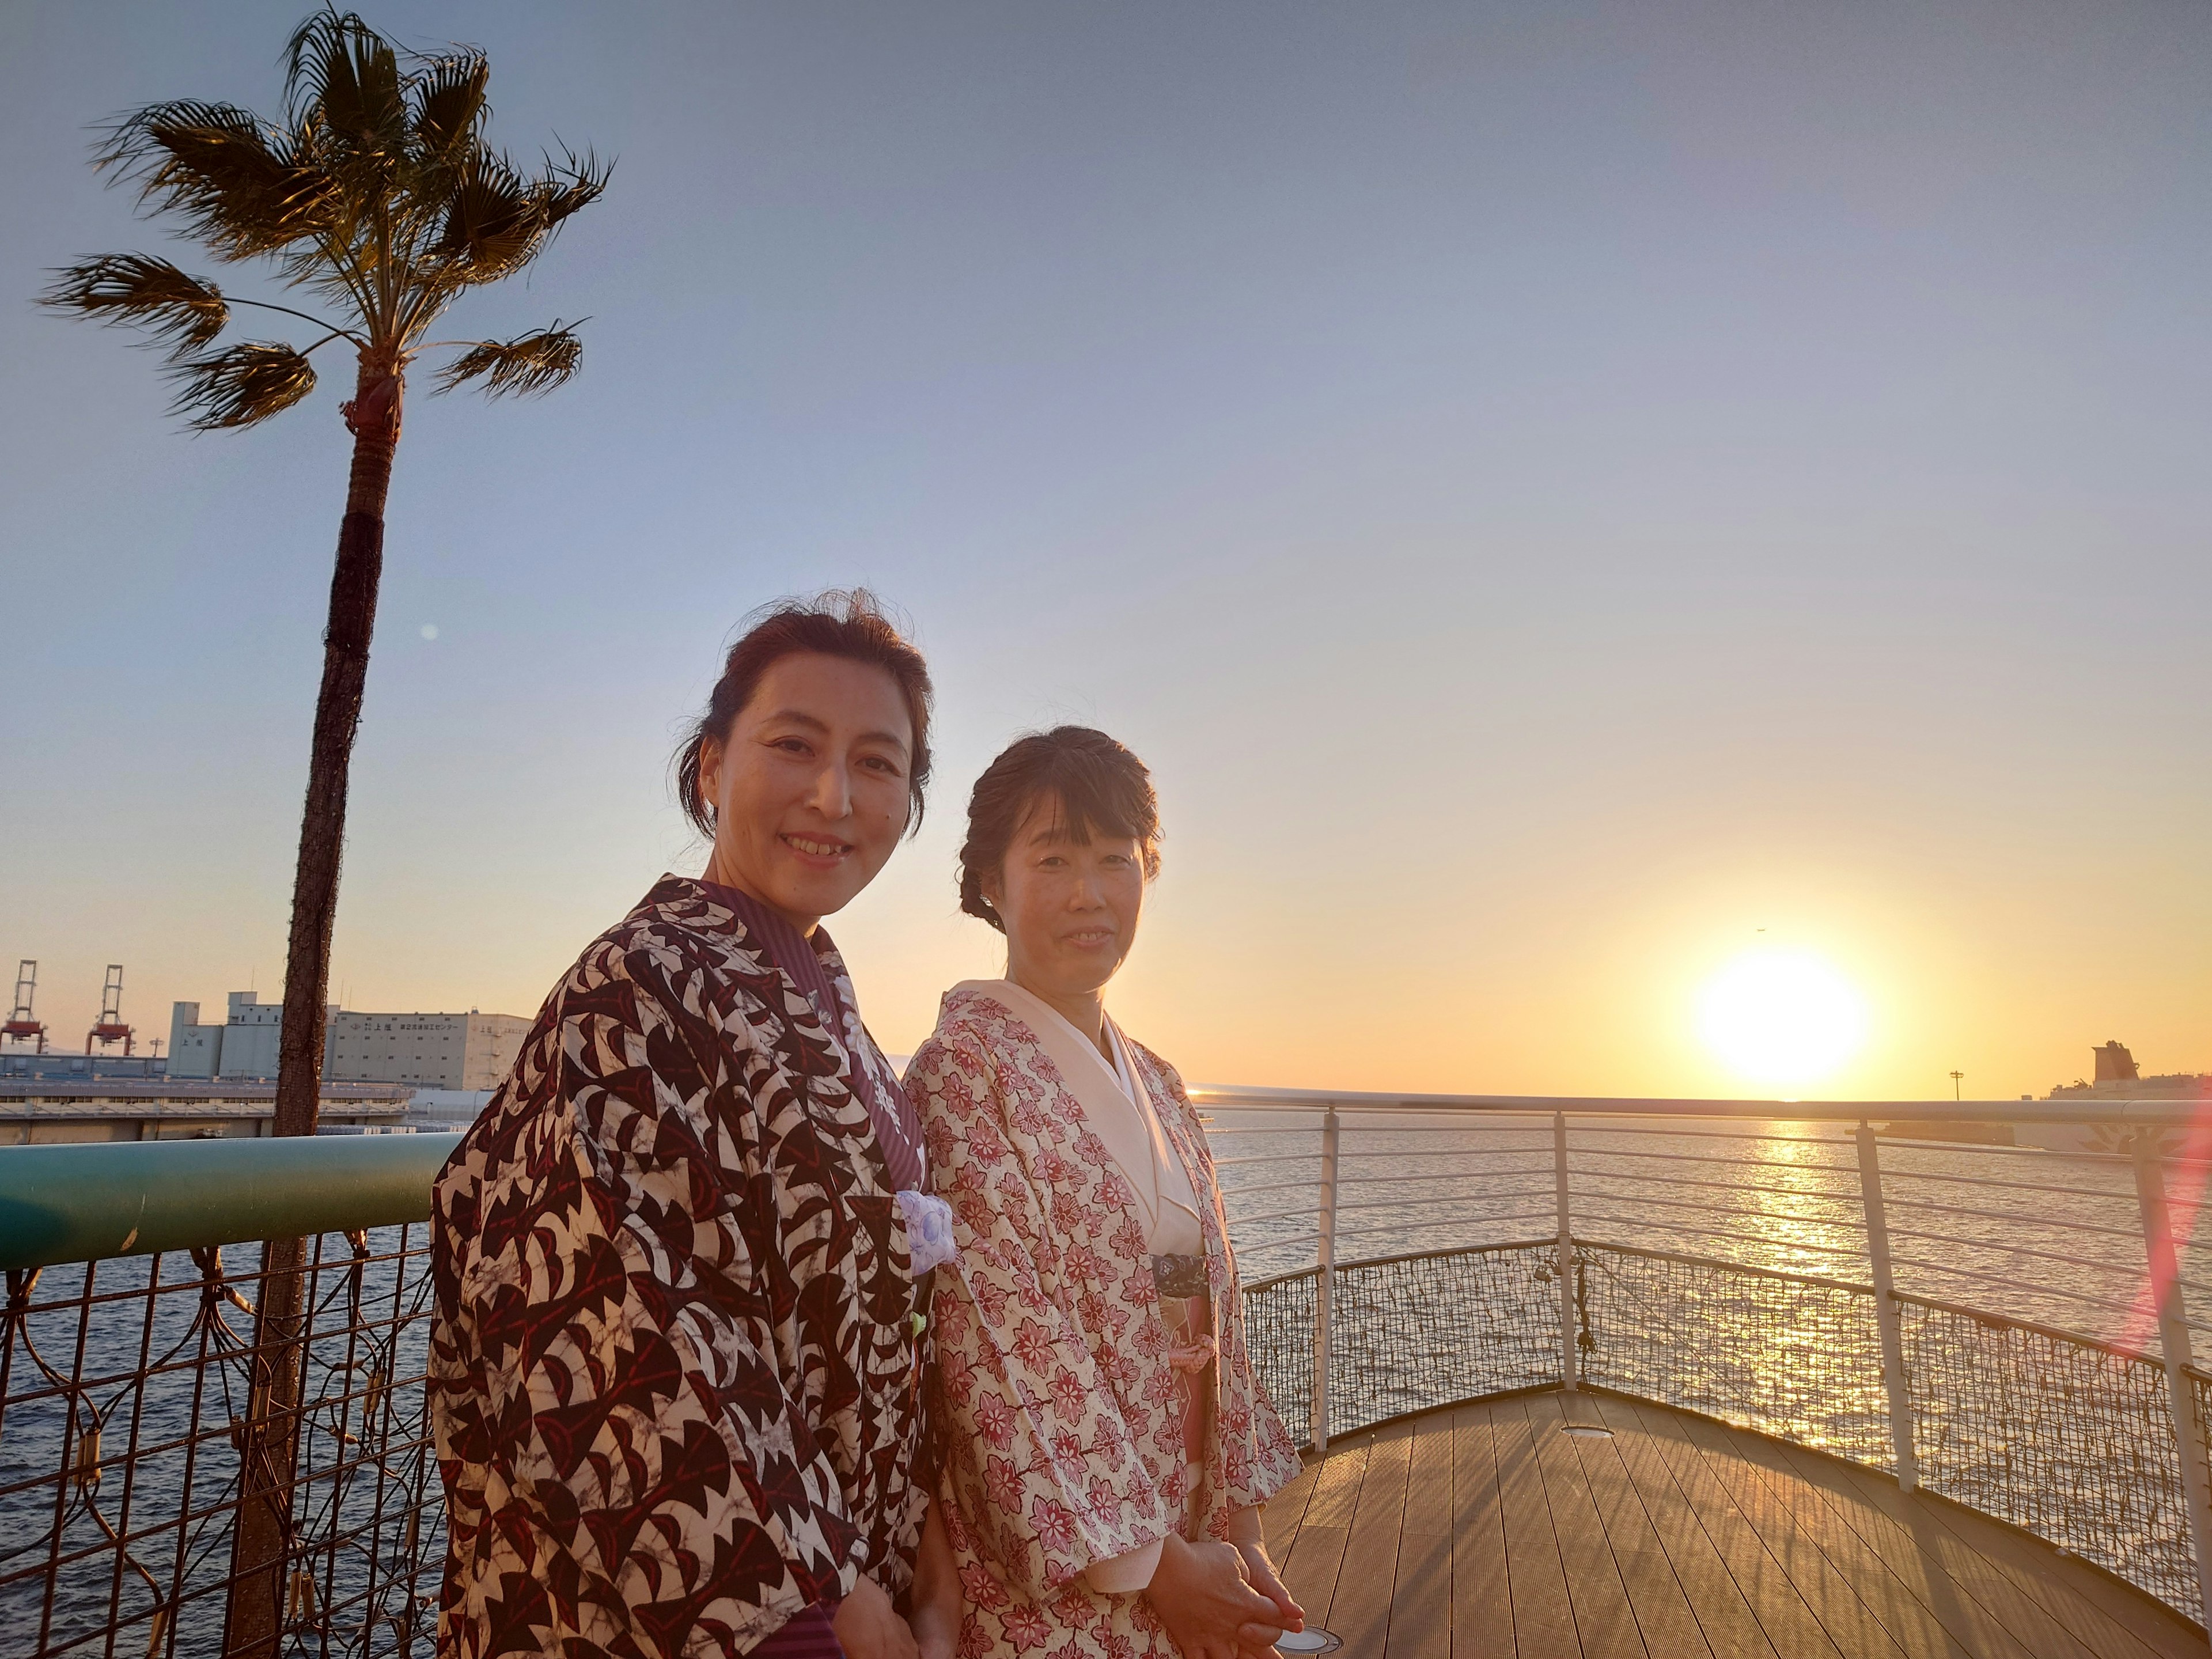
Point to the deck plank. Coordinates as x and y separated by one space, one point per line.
1604 1619
1483 1532
1919 1601
1988 1598
2106 1619
1851 1619
1482 1610
1790 1619
1535 1570
1282 1514
1310 1571
1421 1598
1725 1620
1655 1595
1428 1481
1361 1611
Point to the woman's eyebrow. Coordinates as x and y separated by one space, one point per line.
800 717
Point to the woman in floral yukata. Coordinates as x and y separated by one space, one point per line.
1106 1445
675 1363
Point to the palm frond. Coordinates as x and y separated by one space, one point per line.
572 184
447 97
239 184
526 365
375 190
342 73
494 218
182 311
241 387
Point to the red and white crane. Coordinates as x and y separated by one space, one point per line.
21 1027
111 1029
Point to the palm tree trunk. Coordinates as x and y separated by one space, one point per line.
268 1454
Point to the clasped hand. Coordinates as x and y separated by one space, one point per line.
1204 1593
869 1627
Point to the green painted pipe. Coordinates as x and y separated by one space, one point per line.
79 1203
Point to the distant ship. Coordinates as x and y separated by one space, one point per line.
2119 1082
2119 1078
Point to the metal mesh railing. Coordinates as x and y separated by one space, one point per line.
1425 1330
2069 1438
1279 1334
1799 1359
124 1385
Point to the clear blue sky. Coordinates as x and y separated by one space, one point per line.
1552 490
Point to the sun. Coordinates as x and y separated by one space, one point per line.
1782 1016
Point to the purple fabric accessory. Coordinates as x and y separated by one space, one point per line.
929 1240
898 1130
805 1635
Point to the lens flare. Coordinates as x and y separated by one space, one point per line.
1782 1016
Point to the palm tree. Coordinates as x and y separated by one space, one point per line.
378 196
377 200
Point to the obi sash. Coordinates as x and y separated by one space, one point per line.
1187 1311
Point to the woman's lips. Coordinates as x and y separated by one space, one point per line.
820 852
1097 938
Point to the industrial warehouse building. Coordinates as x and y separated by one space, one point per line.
435 1051
431 1051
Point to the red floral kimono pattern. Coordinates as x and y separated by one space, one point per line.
673 1379
1055 1405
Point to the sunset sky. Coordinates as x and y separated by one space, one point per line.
1552 491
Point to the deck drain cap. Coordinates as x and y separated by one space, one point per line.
1308 1640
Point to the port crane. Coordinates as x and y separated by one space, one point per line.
21 1027
111 1029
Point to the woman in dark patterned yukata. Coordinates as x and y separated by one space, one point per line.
675 1365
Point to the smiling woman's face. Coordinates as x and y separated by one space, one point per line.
809 786
1070 907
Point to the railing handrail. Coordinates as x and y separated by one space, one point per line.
2173 1113
93 1199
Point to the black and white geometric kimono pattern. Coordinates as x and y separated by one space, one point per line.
673 1374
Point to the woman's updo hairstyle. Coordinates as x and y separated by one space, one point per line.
1096 785
832 624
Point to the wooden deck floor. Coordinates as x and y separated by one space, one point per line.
1489 1532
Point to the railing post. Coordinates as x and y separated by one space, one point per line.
2165 1264
1324 1282
1896 1385
1568 1356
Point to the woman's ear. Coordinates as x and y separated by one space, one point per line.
710 774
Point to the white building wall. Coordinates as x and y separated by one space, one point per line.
435 1051
471 1051
494 1041
250 1036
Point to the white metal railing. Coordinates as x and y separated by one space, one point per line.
2089 1248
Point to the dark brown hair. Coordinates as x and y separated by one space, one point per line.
1095 783
832 624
